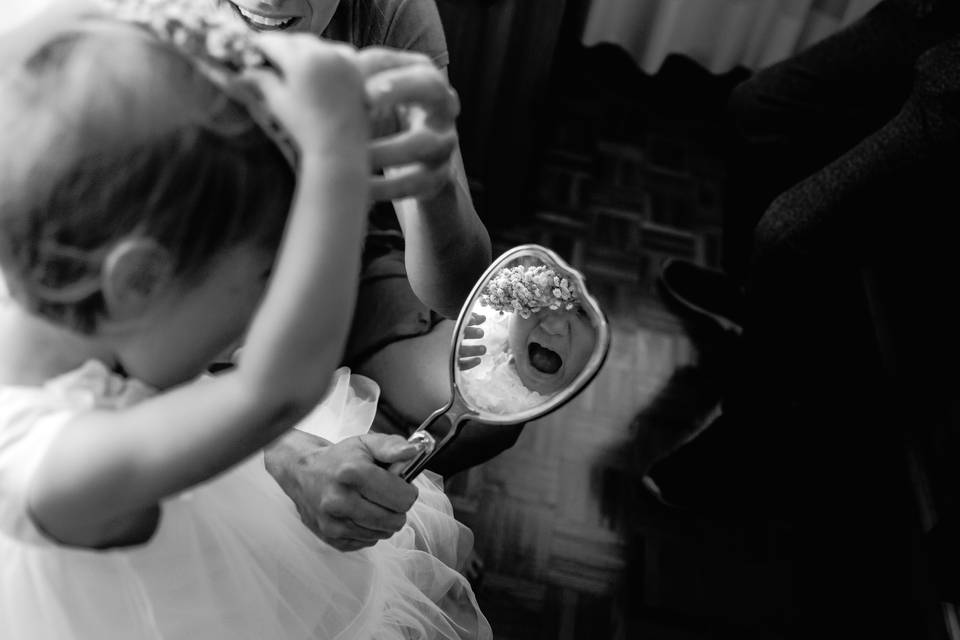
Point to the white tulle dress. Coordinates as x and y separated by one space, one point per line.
230 558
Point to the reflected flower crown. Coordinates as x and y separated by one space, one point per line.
527 290
216 40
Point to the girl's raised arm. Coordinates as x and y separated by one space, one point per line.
119 464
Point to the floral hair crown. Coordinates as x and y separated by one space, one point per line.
217 41
527 290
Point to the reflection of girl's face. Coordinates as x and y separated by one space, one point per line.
551 347
286 15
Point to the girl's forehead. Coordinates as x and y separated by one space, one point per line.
60 19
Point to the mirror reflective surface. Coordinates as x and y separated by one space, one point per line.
529 339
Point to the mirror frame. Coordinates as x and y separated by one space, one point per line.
590 369
457 411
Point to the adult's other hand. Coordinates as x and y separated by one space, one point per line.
415 111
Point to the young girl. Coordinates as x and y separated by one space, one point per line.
133 238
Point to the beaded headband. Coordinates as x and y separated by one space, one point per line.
217 41
527 290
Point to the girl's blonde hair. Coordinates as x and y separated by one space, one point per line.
108 133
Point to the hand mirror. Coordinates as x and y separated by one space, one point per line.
529 338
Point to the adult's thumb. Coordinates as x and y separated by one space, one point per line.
387 448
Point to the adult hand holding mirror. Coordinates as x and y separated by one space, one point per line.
527 341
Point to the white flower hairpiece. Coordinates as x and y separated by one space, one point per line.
197 28
216 40
527 290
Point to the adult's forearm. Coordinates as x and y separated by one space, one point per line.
283 456
447 248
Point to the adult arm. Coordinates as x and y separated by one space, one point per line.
447 246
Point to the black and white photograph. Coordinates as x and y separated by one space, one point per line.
479 319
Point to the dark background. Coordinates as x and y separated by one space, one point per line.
576 149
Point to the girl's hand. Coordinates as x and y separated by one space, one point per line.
469 355
409 91
316 91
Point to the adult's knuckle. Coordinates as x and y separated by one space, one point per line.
333 504
350 472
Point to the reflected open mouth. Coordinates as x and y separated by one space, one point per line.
264 23
543 359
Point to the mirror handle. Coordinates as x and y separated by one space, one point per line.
408 469
430 439
426 445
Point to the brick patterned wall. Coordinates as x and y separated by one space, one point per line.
629 170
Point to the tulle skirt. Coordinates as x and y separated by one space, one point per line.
231 559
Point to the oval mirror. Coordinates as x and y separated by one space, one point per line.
529 338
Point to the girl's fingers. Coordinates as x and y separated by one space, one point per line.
472 351
468 363
472 333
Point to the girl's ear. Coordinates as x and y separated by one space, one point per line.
135 273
